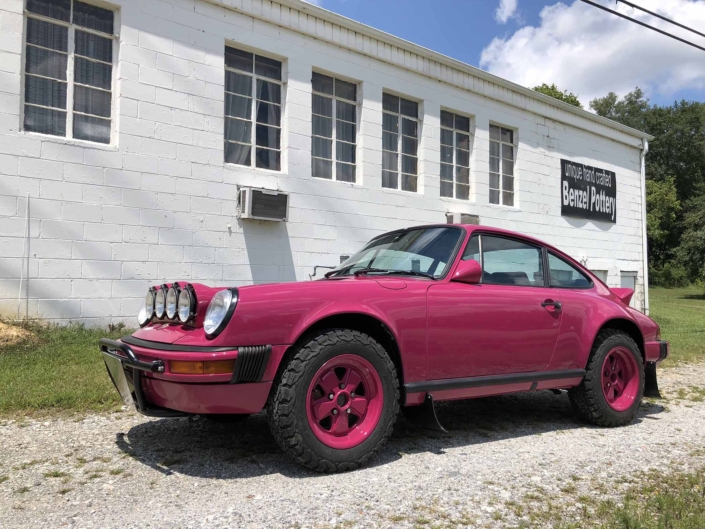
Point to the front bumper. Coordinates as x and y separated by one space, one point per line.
147 385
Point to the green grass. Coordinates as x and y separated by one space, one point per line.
681 314
60 370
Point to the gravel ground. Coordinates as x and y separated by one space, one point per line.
502 453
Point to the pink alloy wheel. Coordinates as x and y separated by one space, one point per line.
345 401
620 379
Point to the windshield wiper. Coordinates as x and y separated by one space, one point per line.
392 272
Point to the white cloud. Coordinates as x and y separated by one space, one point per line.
506 10
590 52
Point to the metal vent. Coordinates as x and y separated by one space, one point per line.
263 204
251 363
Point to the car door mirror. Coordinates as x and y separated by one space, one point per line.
469 272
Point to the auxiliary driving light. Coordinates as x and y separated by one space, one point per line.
186 306
172 296
160 302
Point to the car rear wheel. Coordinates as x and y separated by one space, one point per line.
335 402
613 387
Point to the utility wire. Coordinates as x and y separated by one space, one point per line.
642 23
661 17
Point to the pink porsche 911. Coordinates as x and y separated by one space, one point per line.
418 315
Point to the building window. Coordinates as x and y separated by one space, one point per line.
501 166
455 156
400 143
334 128
68 75
253 109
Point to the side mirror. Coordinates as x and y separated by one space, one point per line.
469 272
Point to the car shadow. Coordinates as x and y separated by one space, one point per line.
205 449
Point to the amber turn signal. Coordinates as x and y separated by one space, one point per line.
214 367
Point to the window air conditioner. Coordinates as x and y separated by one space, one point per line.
263 204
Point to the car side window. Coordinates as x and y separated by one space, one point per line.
566 275
472 250
511 262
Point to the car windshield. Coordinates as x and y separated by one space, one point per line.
422 252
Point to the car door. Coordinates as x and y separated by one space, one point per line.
508 323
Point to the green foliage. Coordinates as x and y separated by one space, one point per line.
629 111
555 92
663 209
691 251
681 314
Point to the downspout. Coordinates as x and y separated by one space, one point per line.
645 249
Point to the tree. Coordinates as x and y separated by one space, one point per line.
691 251
555 92
630 111
663 211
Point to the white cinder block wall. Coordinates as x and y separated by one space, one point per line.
160 204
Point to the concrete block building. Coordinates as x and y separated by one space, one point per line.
130 128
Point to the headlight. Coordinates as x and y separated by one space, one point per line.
171 297
160 302
220 309
147 309
186 306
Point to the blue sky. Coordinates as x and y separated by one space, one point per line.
462 29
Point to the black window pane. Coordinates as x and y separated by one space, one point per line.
462 141
462 175
322 105
44 121
409 127
238 83
323 126
508 152
58 9
494 149
508 136
345 111
346 131
238 130
446 119
268 68
462 158
507 183
390 102
93 73
494 181
494 196
91 129
268 137
390 180
390 123
322 148
46 63
268 159
462 191
508 167
47 35
446 154
345 90
321 168
269 113
237 106
462 123
322 83
390 141
408 145
408 164
447 189
446 137
91 101
239 60
267 91
494 132
93 46
345 152
508 199
409 108
390 161
45 92
93 17
345 172
237 153
408 183
446 172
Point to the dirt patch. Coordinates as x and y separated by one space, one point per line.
12 335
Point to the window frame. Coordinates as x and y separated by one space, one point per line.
455 131
501 190
253 110
572 265
399 151
334 119
70 82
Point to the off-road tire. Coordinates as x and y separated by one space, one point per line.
287 405
588 399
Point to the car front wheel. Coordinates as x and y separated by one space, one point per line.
335 402
611 392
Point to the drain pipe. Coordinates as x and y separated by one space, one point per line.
645 248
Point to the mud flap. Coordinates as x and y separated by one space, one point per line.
650 381
425 415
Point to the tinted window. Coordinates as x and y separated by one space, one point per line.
510 262
566 275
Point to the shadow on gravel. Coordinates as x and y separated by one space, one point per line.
204 449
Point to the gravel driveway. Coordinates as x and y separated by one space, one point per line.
123 470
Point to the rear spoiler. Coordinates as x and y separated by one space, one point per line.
624 294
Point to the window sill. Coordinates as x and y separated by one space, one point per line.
505 208
458 200
343 182
399 191
69 141
229 165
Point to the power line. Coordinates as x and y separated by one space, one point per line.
642 23
661 17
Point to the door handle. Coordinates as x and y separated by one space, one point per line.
550 303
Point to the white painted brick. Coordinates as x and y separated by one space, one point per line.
174 133
199 254
174 202
102 195
140 199
189 153
130 252
58 269
184 118
121 215
137 127
101 269
92 308
91 250
123 179
61 191
62 152
82 212
103 158
136 90
83 174
103 232
206 272
161 148
203 105
10 62
12 247
174 167
130 288
150 76
172 64
20 145
159 218
50 288
176 237
139 163
137 270
8 164
166 253
91 288
189 86
137 55
172 99
152 112
34 168
57 229
158 183
13 185
141 234
51 249
67 309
